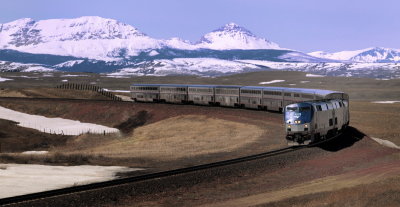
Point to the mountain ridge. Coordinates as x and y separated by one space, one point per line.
101 45
107 39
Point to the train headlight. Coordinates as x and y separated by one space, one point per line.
305 125
289 126
297 122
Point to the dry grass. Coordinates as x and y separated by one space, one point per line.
179 137
11 93
51 93
383 193
376 120
327 184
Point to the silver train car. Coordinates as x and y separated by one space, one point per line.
312 121
267 98
310 114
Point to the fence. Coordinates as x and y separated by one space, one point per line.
68 131
88 87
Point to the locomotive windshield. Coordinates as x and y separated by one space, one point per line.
298 113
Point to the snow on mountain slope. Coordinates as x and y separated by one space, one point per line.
378 55
89 37
232 36
370 70
187 66
343 55
6 66
107 39
70 63
295 56
368 55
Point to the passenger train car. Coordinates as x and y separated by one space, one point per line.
310 114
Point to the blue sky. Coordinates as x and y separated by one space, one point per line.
305 25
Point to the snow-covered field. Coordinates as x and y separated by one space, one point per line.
35 152
386 102
187 66
270 82
4 79
314 75
20 179
53 125
116 91
386 143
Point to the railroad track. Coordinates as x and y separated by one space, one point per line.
121 181
111 183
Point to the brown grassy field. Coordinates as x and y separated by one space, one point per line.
177 137
377 120
183 135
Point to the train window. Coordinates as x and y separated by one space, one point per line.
288 94
307 96
330 122
305 108
291 109
296 95
319 108
335 120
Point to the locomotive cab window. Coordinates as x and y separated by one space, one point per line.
304 109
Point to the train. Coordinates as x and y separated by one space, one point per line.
310 115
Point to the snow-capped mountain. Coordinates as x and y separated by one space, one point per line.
87 37
107 39
233 36
100 45
368 55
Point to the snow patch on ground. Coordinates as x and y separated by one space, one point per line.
386 102
273 81
54 125
4 79
72 75
70 63
314 75
20 179
116 91
125 98
386 143
35 152
115 76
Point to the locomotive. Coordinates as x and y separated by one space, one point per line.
310 115
312 121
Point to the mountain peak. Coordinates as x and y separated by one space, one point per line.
234 28
232 36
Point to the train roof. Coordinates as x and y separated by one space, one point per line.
228 86
320 92
203 86
303 90
253 87
173 85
